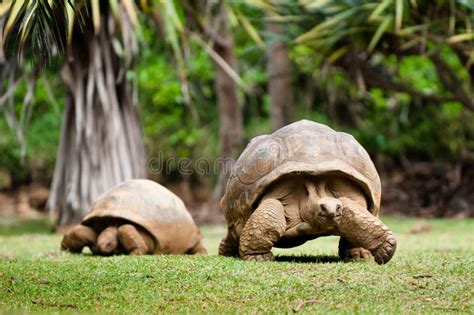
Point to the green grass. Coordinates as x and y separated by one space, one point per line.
431 272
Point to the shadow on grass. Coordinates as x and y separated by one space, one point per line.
14 225
320 259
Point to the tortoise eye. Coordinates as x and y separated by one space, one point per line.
333 189
330 191
321 185
311 187
306 191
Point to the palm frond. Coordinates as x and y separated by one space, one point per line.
339 22
36 25
171 17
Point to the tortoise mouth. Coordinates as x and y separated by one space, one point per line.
329 218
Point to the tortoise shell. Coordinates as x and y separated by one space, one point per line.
303 147
151 206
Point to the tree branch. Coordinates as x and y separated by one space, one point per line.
451 81
375 77
201 24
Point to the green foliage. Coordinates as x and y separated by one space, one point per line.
390 123
10 154
42 138
369 23
386 122
171 128
396 124
38 162
404 130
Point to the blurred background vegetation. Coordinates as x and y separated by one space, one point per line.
398 75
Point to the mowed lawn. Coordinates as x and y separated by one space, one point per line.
431 272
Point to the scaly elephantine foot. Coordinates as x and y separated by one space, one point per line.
385 251
355 253
107 241
348 250
198 249
229 246
359 227
260 257
264 228
135 242
79 237
229 251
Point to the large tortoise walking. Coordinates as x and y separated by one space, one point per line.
301 182
136 217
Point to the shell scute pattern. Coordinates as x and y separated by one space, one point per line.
304 147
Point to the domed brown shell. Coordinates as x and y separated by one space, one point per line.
152 207
303 147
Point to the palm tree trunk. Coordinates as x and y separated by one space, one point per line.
101 141
279 79
230 112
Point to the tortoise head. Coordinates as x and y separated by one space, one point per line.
322 207
319 209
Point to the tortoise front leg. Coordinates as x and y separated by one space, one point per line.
348 250
135 242
107 242
362 229
79 237
265 226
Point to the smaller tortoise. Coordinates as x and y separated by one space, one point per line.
136 217
301 182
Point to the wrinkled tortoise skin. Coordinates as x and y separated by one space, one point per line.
304 148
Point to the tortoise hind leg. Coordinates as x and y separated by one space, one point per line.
264 228
135 242
229 246
79 237
347 250
197 249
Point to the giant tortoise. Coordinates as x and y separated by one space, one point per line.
136 217
301 182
